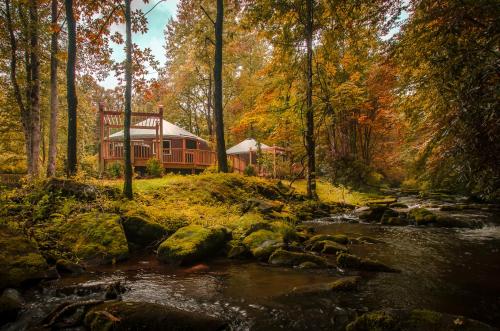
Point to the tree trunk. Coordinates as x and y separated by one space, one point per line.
209 108
310 145
127 186
218 114
35 88
51 166
71 97
17 90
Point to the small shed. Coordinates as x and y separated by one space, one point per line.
267 160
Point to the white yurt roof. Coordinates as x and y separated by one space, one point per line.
245 146
169 130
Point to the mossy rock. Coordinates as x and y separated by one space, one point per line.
422 216
265 207
388 214
247 224
311 209
398 205
308 265
338 238
345 260
64 266
191 244
236 250
282 257
372 213
79 190
95 237
263 243
425 217
11 304
142 233
126 316
414 320
20 259
327 247
343 284
395 221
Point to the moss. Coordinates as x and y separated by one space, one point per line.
422 216
342 284
191 244
142 233
374 321
94 237
121 316
20 259
330 247
263 243
291 259
338 238
345 260
396 221
286 230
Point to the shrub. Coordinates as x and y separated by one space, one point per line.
249 170
154 168
115 170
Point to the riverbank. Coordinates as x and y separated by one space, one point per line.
80 230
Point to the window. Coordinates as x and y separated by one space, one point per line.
167 147
191 144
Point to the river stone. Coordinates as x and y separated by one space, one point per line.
345 260
126 316
263 243
11 303
372 213
20 259
425 217
398 205
291 259
396 221
64 266
331 247
415 320
338 238
342 284
141 232
191 244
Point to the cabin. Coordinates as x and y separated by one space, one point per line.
152 137
267 161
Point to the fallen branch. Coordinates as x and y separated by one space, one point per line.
65 307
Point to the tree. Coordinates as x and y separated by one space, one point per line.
54 47
218 110
127 186
71 97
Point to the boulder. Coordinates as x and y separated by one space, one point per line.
20 259
191 244
396 221
282 257
311 209
398 205
350 261
236 249
338 238
95 237
388 214
262 206
142 233
425 217
415 320
327 246
342 284
263 243
125 316
308 265
372 213
11 303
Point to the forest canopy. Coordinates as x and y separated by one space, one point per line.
375 93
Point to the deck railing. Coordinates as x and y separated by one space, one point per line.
146 150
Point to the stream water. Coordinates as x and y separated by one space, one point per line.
454 271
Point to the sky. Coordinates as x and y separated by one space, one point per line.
154 38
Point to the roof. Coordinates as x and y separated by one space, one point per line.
169 130
245 146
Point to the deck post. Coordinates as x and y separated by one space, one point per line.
160 143
101 137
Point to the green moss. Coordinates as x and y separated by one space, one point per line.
291 259
374 321
142 233
191 244
422 216
20 259
338 238
263 243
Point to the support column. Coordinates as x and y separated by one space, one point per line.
160 143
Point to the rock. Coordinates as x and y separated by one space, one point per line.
114 291
350 261
237 250
192 243
398 205
369 240
388 214
263 243
396 221
425 217
282 257
67 267
262 206
372 214
308 265
20 260
142 233
342 284
338 238
331 247
125 316
422 216
415 320
311 209
11 303
95 237
79 190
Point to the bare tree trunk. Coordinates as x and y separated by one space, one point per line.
35 88
127 185
71 91
210 125
310 144
54 48
219 116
